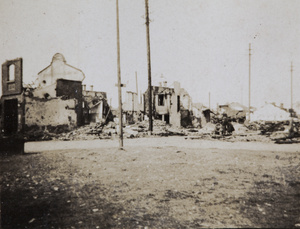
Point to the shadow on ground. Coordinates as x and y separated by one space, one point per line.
274 203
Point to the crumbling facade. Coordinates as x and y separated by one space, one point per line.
12 100
172 105
56 100
58 91
96 107
201 115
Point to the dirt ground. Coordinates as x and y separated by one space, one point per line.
165 182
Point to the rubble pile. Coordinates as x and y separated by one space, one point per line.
82 133
209 128
46 133
240 129
270 127
263 132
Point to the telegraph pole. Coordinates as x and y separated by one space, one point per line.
209 99
136 83
249 80
291 85
119 80
149 68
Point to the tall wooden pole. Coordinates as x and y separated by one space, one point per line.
209 100
149 68
136 83
292 85
119 81
137 87
249 81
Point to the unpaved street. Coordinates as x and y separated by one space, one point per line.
170 182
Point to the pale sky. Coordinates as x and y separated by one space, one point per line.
203 44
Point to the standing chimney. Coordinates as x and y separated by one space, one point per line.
84 87
92 87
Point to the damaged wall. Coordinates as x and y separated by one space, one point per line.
51 112
175 116
58 69
12 100
12 77
174 104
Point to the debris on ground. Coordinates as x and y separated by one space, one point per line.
219 129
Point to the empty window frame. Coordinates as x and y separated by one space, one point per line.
161 100
11 72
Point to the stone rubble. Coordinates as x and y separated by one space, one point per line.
263 132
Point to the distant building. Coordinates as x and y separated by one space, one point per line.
296 108
270 112
234 110
201 114
132 108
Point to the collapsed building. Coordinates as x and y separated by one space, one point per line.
96 107
172 105
55 101
235 111
201 115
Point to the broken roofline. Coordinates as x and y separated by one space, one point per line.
162 90
67 65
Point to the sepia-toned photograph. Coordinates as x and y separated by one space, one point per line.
149 114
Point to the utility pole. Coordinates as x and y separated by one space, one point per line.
291 85
209 99
149 68
136 84
132 99
249 81
119 81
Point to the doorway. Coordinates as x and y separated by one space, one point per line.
10 116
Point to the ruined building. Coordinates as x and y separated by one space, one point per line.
201 115
12 100
172 105
96 107
56 100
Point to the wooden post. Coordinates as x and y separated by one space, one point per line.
292 85
209 100
149 68
119 81
249 81
137 86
